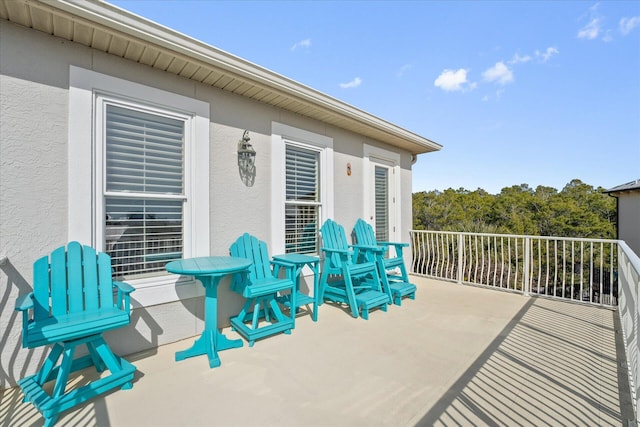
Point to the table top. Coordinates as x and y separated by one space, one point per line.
208 265
297 258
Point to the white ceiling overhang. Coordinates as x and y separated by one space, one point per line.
110 29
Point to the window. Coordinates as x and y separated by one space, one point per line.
144 190
302 206
302 180
139 180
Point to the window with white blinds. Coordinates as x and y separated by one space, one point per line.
382 203
302 205
144 190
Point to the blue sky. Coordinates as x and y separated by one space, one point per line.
535 92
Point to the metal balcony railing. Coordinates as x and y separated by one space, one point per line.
599 272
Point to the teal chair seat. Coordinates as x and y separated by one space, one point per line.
65 328
74 301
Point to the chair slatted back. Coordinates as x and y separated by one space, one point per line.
72 279
248 246
334 237
364 234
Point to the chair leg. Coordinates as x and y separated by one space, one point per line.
323 286
63 373
267 311
279 317
110 360
49 422
95 357
49 364
351 296
256 314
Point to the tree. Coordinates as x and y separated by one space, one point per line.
578 210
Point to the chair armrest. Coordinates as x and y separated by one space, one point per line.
343 254
124 289
282 263
289 267
368 248
396 244
338 251
24 302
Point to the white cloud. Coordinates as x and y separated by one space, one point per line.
306 44
547 54
353 83
499 73
607 37
450 80
517 59
591 30
628 24
401 72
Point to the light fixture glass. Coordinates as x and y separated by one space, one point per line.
246 160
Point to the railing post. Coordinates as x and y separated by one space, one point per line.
525 273
460 257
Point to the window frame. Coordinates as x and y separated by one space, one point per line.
103 102
88 92
281 136
296 202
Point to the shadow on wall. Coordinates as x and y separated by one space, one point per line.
10 369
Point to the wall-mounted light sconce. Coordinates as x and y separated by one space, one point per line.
246 153
246 160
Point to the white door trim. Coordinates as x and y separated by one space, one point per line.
373 155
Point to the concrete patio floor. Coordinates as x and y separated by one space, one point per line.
457 355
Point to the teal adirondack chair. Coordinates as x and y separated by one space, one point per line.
398 284
72 303
345 280
260 287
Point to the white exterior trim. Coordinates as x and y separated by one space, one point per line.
87 90
371 154
280 135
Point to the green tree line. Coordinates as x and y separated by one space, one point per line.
578 210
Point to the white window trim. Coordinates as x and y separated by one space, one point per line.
281 135
85 169
371 154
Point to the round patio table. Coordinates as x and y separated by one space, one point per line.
209 271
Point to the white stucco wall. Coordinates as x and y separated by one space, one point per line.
34 95
629 219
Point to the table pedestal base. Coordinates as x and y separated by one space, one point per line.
209 343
